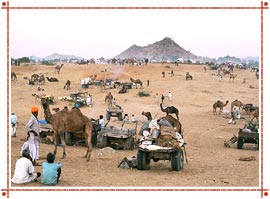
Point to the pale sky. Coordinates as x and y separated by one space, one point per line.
107 33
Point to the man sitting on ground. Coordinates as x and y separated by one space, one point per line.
24 169
50 171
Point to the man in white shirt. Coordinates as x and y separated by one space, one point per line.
14 122
24 170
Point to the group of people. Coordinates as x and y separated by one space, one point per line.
170 97
24 168
25 171
132 118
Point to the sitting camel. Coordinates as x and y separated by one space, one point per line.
219 104
52 79
148 115
61 123
170 109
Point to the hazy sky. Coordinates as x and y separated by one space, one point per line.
107 33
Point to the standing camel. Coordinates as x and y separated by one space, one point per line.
170 109
219 104
68 121
236 103
58 68
136 82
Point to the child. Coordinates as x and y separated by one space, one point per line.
50 171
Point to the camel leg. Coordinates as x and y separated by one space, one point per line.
88 132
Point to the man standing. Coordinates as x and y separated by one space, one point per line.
33 135
24 169
14 122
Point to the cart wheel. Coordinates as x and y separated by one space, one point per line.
143 161
177 160
104 142
120 116
239 143
129 143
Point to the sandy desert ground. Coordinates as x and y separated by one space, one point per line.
210 164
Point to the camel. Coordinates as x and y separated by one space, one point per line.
109 99
254 113
58 68
175 123
148 115
123 90
41 79
67 85
219 104
13 76
236 103
136 82
52 79
68 121
170 109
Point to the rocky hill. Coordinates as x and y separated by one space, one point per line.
165 49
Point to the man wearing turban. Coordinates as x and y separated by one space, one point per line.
33 135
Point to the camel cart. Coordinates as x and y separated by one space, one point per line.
118 137
247 136
114 111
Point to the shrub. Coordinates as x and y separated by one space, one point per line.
167 66
143 93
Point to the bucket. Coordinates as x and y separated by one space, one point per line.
155 133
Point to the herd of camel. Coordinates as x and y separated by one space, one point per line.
249 108
60 120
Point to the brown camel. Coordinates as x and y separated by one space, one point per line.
254 113
109 99
219 104
148 115
136 82
68 121
170 109
58 68
175 123
236 103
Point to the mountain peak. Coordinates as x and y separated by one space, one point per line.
165 49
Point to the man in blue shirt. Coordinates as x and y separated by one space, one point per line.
50 171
